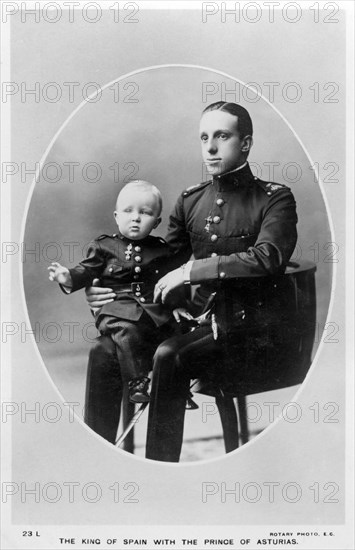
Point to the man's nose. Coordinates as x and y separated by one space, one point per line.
212 146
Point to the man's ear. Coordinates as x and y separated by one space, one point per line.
157 222
247 144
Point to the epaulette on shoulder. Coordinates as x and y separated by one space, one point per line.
269 187
106 237
152 239
190 190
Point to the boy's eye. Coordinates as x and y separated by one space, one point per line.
147 212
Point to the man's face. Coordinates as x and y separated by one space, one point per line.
220 142
137 213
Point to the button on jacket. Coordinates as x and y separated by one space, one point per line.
118 262
241 230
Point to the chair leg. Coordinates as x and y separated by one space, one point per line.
229 421
127 414
243 420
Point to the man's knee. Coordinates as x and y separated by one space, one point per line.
166 352
168 373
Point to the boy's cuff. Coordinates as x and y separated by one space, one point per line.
66 289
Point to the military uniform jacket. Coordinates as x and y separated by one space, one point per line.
242 232
131 269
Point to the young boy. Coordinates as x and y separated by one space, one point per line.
130 262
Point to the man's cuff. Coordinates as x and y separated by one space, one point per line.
187 271
204 270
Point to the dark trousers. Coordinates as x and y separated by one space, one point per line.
103 389
123 353
135 341
176 361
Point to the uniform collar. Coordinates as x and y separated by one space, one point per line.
126 240
239 175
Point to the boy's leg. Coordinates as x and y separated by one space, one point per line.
132 348
103 389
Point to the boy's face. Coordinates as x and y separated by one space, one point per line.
222 148
137 213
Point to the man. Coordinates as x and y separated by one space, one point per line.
241 232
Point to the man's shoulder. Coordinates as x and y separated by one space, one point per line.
195 188
271 188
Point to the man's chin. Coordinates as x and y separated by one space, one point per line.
214 170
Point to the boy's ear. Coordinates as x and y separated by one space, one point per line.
157 222
115 215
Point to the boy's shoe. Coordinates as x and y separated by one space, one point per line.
138 390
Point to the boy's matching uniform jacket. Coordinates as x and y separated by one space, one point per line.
240 230
131 269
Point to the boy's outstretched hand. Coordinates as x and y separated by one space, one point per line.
60 274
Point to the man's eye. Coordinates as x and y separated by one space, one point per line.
223 136
204 138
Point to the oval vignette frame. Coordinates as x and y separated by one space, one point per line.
32 291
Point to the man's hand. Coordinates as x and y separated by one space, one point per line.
182 313
167 283
97 297
59 274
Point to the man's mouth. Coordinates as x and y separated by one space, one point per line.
212 161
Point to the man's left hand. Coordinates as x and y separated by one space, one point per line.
182 313
167 283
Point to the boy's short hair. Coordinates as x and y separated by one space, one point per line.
147 186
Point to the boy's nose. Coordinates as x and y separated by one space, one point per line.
136 216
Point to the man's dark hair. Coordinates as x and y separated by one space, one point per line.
245 125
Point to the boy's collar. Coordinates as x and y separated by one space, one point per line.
126 239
